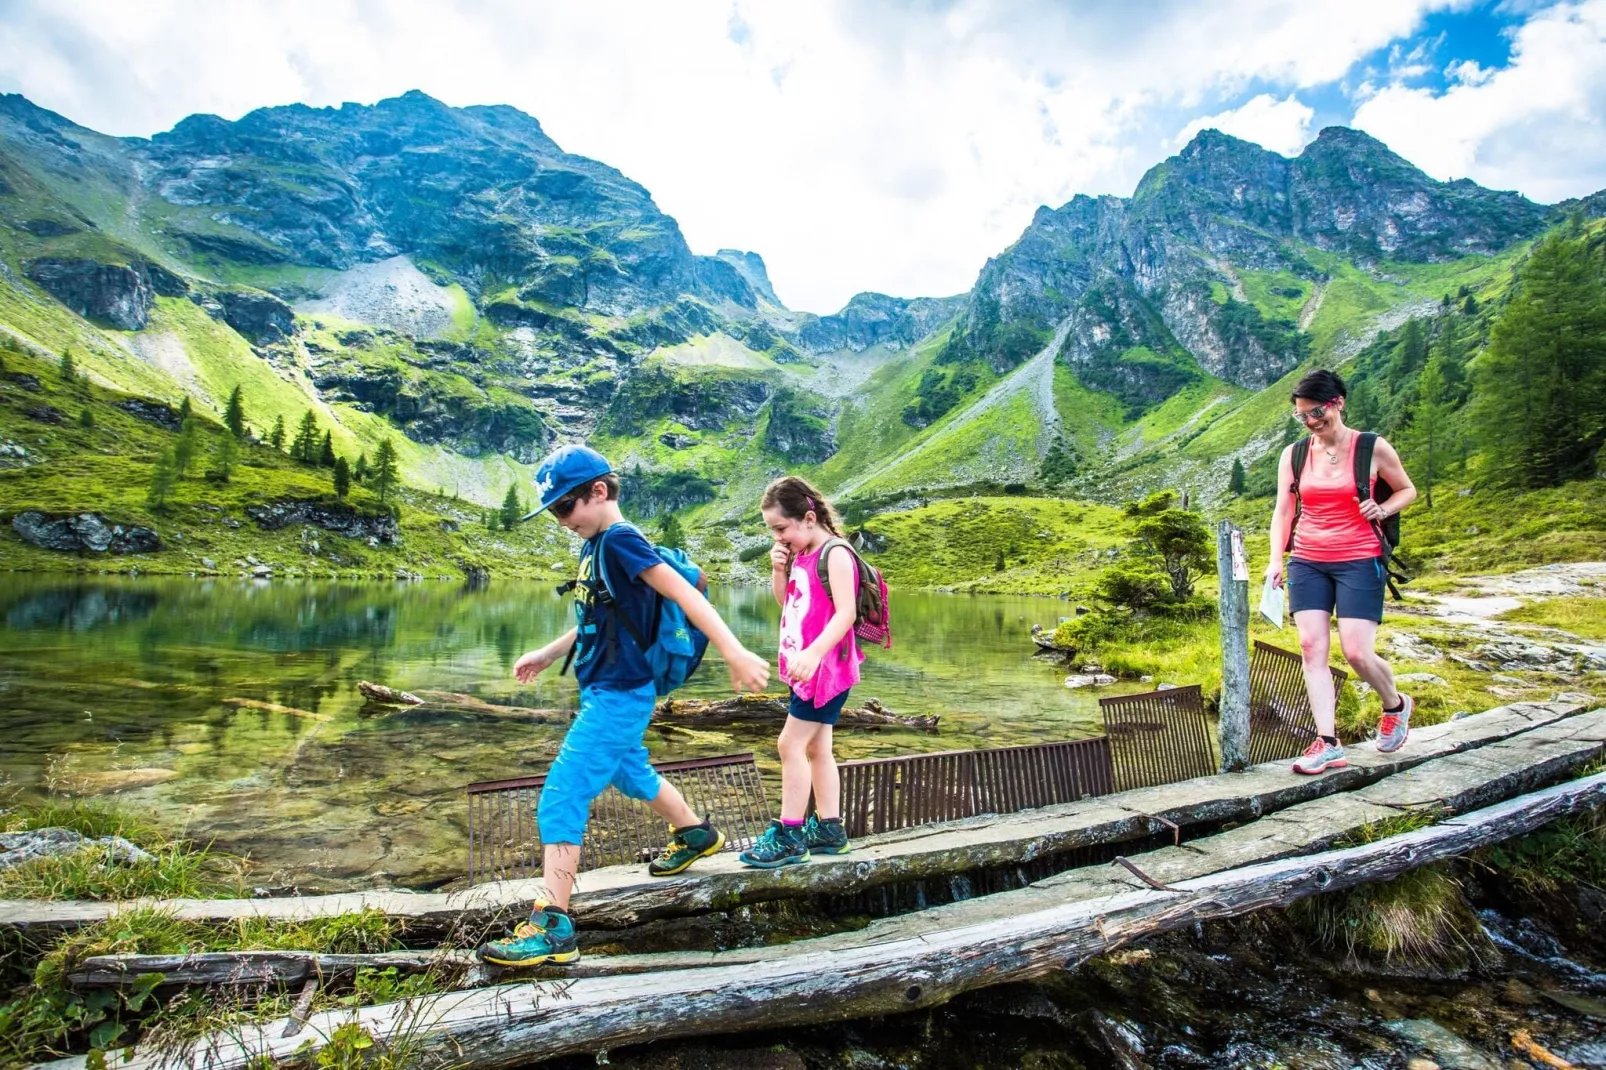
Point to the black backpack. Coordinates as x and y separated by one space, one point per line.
1388 531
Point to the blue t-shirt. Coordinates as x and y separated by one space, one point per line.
606 655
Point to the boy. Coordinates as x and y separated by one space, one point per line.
617 695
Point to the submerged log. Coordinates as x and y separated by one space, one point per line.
887 969
457 704
764 708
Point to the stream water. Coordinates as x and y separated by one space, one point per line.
230 708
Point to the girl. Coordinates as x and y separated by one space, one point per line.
820 661
1337 566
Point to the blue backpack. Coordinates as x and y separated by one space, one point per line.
675 648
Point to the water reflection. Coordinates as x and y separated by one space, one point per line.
231 707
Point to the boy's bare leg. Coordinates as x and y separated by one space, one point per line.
670 805
559 863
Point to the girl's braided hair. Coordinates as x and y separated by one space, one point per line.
795 498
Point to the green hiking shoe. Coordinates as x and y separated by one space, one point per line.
686 846
828 837
546 938
779 846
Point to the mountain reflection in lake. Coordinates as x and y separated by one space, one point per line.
230 707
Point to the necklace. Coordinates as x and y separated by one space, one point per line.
1332 454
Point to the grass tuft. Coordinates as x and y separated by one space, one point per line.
1419 918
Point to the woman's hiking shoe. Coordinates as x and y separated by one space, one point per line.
1395 726
546 938
686 846
779 846
828 837
1319 757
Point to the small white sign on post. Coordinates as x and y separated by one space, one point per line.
1240 564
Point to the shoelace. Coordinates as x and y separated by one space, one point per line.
1388 724
668 850
526 929
1316 747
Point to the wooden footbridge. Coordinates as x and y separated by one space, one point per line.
1209 847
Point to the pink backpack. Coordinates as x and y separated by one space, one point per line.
874 623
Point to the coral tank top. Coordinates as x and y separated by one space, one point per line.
1331 527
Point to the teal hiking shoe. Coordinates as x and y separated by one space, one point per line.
779 846
547 938
1395 726
686 846
828 837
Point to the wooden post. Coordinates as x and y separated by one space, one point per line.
1233 570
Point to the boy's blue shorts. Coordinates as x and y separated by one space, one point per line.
603 746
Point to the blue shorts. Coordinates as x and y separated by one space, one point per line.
603 746
804 710
1353 588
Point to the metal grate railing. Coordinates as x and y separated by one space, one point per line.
1158 737
504 842
886 794
1280 722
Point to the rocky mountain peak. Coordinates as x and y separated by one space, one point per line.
751 266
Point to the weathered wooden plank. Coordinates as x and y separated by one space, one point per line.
257 967
617 897
511 1025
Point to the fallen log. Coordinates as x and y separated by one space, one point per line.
457 704
257 967
767 707
620 897
514 1024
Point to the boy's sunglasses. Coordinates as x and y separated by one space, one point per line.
565 505
1312 414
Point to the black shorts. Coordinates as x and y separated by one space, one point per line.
1353 588
804 710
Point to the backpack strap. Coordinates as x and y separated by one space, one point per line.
820 568
1364 448
1296 463
642 642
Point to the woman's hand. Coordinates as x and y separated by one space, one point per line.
802 666
531 665
1274 572
780 558
1372 511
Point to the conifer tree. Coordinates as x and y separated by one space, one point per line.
234 415
86 419
342 478
185 448
511 508
164 475
671 534
385 469
185 410
1429 440
69 368
304 447
224 457
276 436
360 473
489 517
1540 398
326 452
1235 482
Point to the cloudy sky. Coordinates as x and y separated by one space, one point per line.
860 145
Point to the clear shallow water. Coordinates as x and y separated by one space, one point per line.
230 708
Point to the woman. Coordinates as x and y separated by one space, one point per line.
1337 564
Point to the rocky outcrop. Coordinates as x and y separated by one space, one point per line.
871 319
116 294
261 318
340 519
799 427
651 494
19 847
153 411
752 268
83 532
701 403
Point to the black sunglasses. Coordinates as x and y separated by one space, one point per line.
565 505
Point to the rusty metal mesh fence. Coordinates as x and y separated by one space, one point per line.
1158 737
885 794
504 842
1280 721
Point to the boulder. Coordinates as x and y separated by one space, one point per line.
45 414
153 411
340 519
260 317
1075 681
19 847
83 532
1421 678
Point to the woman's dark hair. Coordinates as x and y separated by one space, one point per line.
795 498
1320 386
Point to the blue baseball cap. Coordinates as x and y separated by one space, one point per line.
564 469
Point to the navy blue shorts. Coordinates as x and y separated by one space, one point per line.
1353 588
805 710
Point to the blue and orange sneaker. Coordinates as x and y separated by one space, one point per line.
547 938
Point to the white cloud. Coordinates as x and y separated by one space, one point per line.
1279 125
855 146
1537 125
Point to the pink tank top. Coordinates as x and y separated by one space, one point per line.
804 615
1331 527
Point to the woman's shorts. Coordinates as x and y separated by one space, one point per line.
804 710
1353 588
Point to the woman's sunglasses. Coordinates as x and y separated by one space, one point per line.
1316 413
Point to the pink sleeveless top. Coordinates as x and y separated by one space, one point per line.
805 614
1331 527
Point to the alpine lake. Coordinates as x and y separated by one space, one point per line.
229 709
